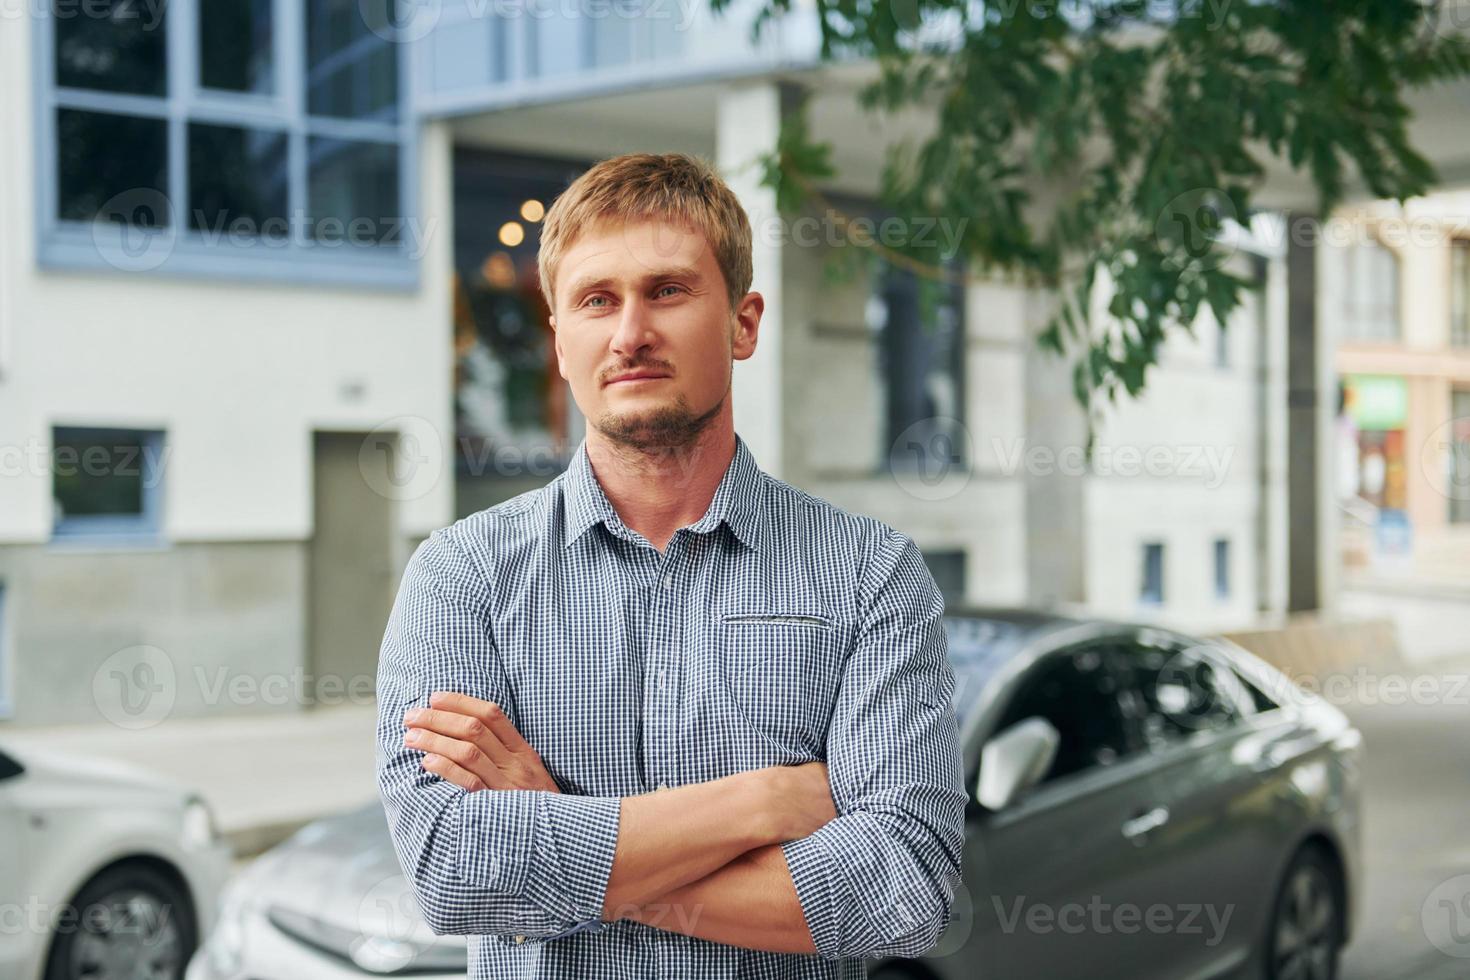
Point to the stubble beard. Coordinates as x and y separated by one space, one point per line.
668 427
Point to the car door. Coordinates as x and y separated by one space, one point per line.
1213 783
1053 878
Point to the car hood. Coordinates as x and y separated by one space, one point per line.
341 871
55 777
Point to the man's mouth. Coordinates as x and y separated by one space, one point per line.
633 377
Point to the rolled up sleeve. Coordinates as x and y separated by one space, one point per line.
492 862
880 879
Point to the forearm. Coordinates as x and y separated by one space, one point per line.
750 902
672 838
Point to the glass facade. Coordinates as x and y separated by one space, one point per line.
194 134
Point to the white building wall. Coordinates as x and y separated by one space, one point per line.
238 374
1181 466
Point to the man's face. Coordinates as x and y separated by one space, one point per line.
644 331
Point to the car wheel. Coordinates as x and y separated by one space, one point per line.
130 921
1307 923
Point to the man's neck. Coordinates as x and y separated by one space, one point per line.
656 492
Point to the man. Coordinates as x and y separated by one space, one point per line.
668 716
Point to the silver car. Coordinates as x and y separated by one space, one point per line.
1144 804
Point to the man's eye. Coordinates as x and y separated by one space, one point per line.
594 299
671 286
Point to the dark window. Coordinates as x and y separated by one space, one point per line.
352 58
106 481
948 569
353 191
1176 691
1222 568
237 181
112 168
1077 693
1152 588
921 330
1260 701
236 45
515 421
234 169
111 46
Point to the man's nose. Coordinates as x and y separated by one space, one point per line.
634 331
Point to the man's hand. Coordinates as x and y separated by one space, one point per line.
798 800
472 744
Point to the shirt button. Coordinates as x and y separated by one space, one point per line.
663 786
520 939
668 581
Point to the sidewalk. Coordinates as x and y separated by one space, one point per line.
264 777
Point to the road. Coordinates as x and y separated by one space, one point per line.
1416 836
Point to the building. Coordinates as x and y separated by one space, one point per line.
270 270
223 362
1399 278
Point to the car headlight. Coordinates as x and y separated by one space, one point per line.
199 830
226 947
374 954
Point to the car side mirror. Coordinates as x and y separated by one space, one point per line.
1014 761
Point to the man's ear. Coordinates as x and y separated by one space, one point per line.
561 364
747 325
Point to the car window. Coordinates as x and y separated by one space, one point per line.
1078 694
1176 690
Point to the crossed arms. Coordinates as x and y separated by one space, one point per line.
857 858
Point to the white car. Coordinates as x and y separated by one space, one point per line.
106 872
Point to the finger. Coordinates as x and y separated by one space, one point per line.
456 774
466 755
489 713
465 728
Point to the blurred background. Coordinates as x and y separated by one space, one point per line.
269 314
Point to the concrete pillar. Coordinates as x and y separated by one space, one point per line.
1311 410
747 125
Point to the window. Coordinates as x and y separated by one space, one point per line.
921 342
192 143
1370 293
1458 457
515 421
1222 568
107 483
1260 701
948 569
1151 589
1077 693
1175 691
1460 293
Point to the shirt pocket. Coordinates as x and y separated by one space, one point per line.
782 671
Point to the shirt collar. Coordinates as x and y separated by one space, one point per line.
735 502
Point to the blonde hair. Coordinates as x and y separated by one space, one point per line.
639 186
